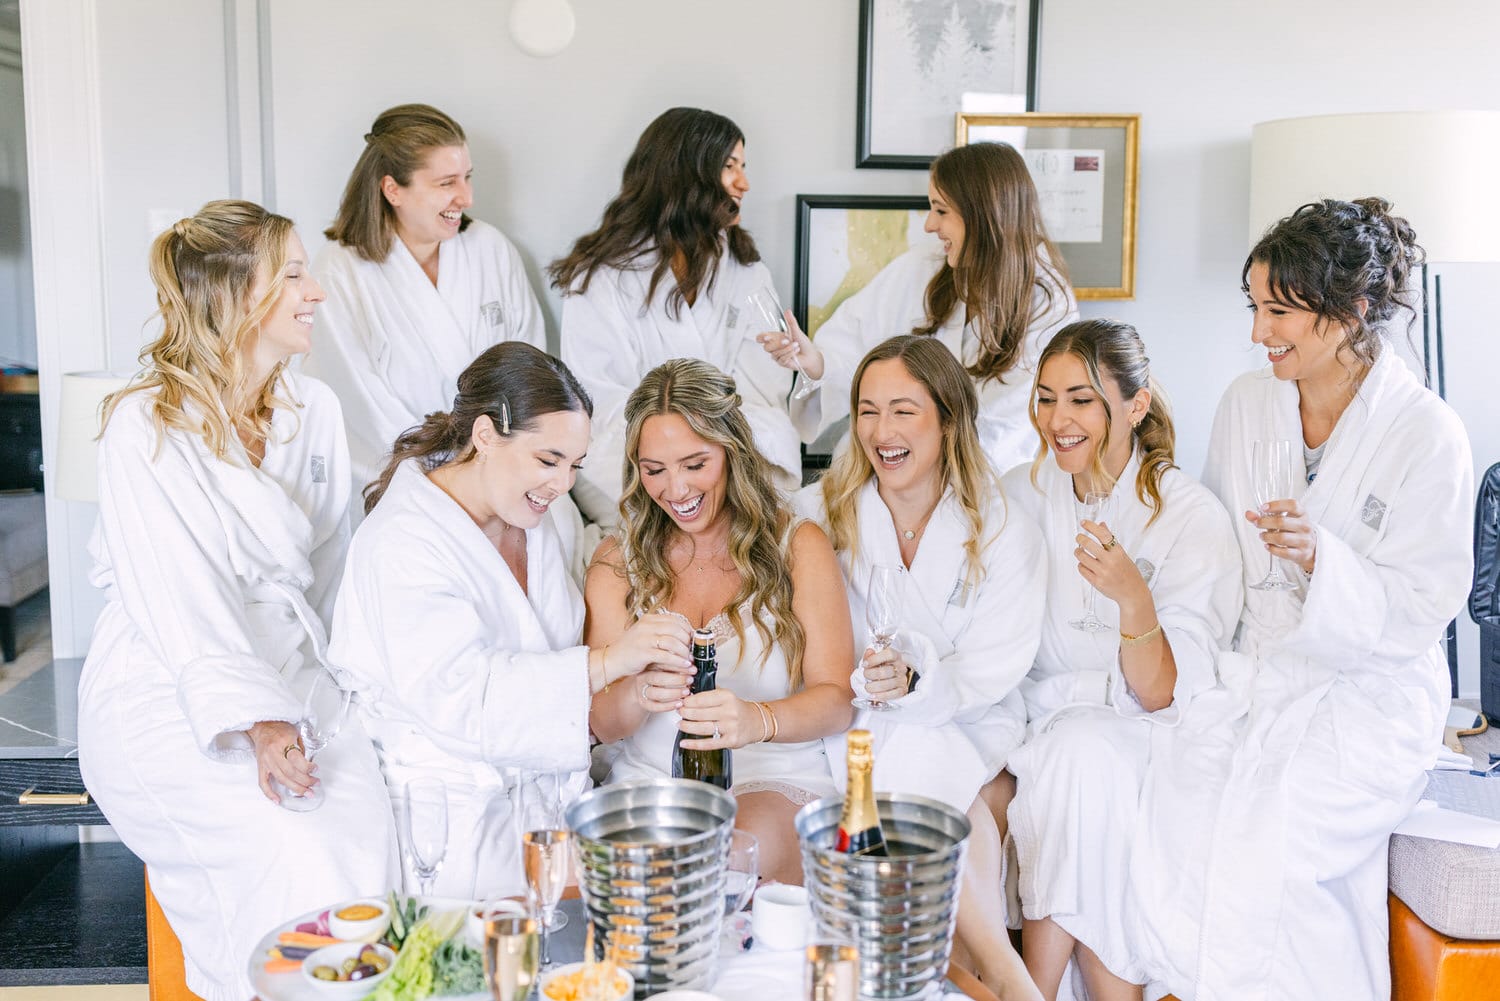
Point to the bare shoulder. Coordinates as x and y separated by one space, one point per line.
606 571
811 555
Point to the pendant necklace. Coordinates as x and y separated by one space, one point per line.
711 556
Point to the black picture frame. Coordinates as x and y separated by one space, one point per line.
864 156
806 206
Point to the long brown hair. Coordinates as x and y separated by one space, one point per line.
1109 348
1006 254
511 383
204 269
396 146
963 467
672 201
759 518
1331 256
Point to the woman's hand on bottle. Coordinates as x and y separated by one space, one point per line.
279 756
791 345
1287 532
1105 564
661 690
660 641
720 719
887 675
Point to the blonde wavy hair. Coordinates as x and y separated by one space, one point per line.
759 517
1115 349
205 268
963 465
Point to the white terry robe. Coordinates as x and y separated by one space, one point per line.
218 577
1080 772
1264 875
970 643
460 674
895 303
611 337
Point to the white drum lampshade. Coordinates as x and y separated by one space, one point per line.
75 472
1436 168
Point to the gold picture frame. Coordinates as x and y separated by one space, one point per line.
1086 168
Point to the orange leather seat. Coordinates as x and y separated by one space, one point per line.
164 974
1427 965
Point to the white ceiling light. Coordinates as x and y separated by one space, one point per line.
542 27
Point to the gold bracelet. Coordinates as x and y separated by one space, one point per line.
775 724
765 724
1146 637
604 668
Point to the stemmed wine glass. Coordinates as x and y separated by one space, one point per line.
323 713
1095 509
426 826
510 956
764 304
1272 464
546 850
882 614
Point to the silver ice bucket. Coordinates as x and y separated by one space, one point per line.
651 871
898 909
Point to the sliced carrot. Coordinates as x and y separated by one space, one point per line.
283 966
306 938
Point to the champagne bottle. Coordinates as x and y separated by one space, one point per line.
712 767
859 827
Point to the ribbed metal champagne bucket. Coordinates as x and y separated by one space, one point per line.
651 871
898 909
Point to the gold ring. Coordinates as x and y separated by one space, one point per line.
1110 544
286 752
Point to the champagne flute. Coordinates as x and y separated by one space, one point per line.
1095 509
546 855
831 972
542 810
883 604
1272 465
741 869
767 308
510 956
426 826
323 714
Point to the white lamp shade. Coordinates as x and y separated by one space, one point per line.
75 468
1436 168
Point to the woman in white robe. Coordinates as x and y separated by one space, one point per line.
668 274
221 537
913 490
1165 571
707 538
993 294
416 289
1264 875
458 624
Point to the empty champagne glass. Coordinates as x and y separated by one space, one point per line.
1095 509
546 855
510 956
426 828
741 870
765 307
323 714
831 972
883 603
541 810
1272 468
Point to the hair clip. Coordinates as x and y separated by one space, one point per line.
504 419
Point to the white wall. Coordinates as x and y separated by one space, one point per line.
549 137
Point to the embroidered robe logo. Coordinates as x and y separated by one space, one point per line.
1373 512
493 313
731 317
959 596
319 469
1147 569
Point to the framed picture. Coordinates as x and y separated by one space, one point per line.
921 61
1085 169
843 241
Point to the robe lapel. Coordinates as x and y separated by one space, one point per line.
427 307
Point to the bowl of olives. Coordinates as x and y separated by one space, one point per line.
348 970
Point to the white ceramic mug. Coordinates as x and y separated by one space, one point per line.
779 917
482 911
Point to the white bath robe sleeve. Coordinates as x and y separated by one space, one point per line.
460 674
214 571
611 337
971 644
391 344
895 303
1275 836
